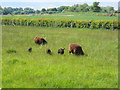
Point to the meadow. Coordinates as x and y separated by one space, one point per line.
69 15
21 69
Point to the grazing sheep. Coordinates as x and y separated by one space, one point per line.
61 51
48 51
75 49
29 49
40 40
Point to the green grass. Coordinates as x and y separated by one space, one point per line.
11 51
39 70
78 16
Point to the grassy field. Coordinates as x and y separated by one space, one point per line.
38 70
69 15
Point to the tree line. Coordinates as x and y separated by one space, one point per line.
75 8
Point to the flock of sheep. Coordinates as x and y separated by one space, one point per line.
73 48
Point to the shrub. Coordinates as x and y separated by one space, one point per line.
106 24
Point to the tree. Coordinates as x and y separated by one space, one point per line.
16 13
95 7
76 5
20 9
51 10
71 9
15 9
10 10
108 9
29 10
1 10
22 12
26 12
37 11
75 8
5 11
62 8
82 8
85 5
54 9
43 10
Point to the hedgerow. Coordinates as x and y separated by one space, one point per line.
105 24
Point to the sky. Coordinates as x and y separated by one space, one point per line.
39 4
58 0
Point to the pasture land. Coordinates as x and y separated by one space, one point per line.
69 15
21 69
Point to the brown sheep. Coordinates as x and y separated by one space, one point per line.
40 40
75 49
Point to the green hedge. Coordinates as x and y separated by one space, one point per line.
106 24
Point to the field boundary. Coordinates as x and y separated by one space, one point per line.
68 23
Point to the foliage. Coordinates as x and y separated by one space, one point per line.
62 9
1 10
95 7
43 10
96 24
37 11
108 9
75 8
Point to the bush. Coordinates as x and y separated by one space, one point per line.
106 24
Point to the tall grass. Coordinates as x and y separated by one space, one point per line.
40 70
68 23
